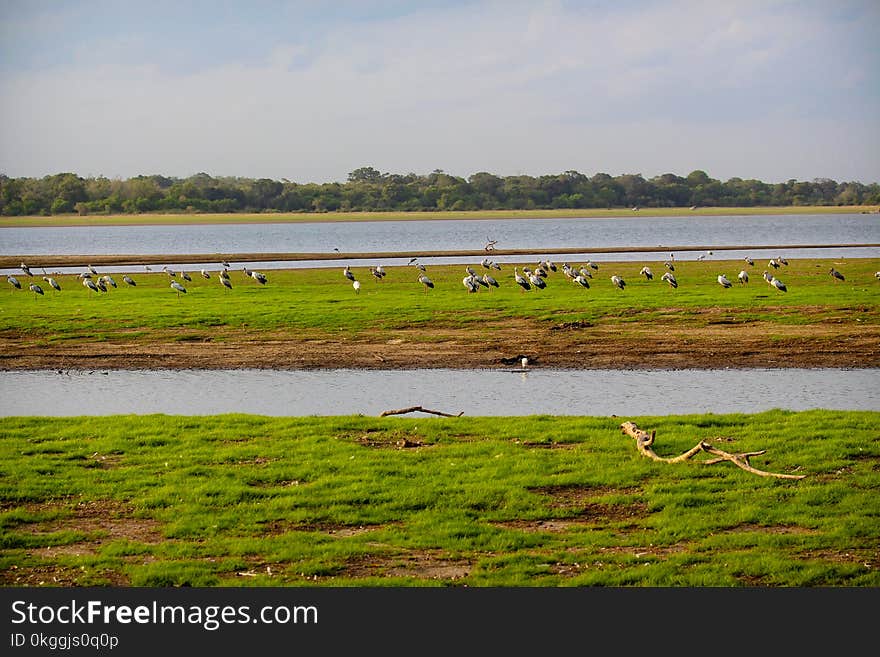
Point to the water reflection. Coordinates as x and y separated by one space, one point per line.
471 392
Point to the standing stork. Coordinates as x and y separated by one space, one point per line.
108 279
259 277
205 274
618 282
348 273
90 284
177 287
128 280
36 289
743 277
185 276
779 285
669 278
225 282
581 280
773 263
537 280
357 286
426 282
470 282
489 280
520 280
26 269
836 274
749 261
647 273
668 264
723 281
51 281
92 270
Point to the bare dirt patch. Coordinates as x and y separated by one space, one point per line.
664 342
416 565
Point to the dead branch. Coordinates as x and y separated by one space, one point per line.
420 409
644 440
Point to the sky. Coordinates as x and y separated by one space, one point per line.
309 91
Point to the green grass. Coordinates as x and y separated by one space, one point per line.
239 500
321 302
226 218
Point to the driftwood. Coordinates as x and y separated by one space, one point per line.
644 440
414 409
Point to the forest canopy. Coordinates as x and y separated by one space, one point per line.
369 190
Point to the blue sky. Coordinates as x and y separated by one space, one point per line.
309 91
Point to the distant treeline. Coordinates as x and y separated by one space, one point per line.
368 190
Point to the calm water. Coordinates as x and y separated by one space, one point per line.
473 392
450 235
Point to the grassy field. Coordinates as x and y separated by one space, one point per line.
235 218
236 500
321 302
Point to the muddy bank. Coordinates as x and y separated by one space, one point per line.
661 346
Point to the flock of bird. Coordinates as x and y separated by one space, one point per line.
528 280
536 278
100 283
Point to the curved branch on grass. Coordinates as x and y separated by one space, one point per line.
419 409
645 440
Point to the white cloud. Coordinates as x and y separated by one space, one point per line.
500 87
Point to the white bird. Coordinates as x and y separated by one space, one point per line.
743 277
836 274
205 274
92 269
618 281
89 283
470 283
585 272
767 277
877 275
380 271
668 264
773 263
723 281
488 280
520 280
185 276
128 280
101 284
51 281
85 274
36 289
779 285
259 278
524 361
224 274
376 273
470 271
169 272
592 265
647 273
357 286
536 280
581 280
225 282
782 261
347 273
669 278
108 279
177 287
750 261
26 269
427 282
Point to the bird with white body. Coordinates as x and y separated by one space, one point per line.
723 281
619 283
647 273
743 276
177 287
669 278
36 289
128 280
426 282
521 280
51 281
356 284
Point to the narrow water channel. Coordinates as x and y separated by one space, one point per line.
471 392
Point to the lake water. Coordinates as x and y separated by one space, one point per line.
454 235
471 392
